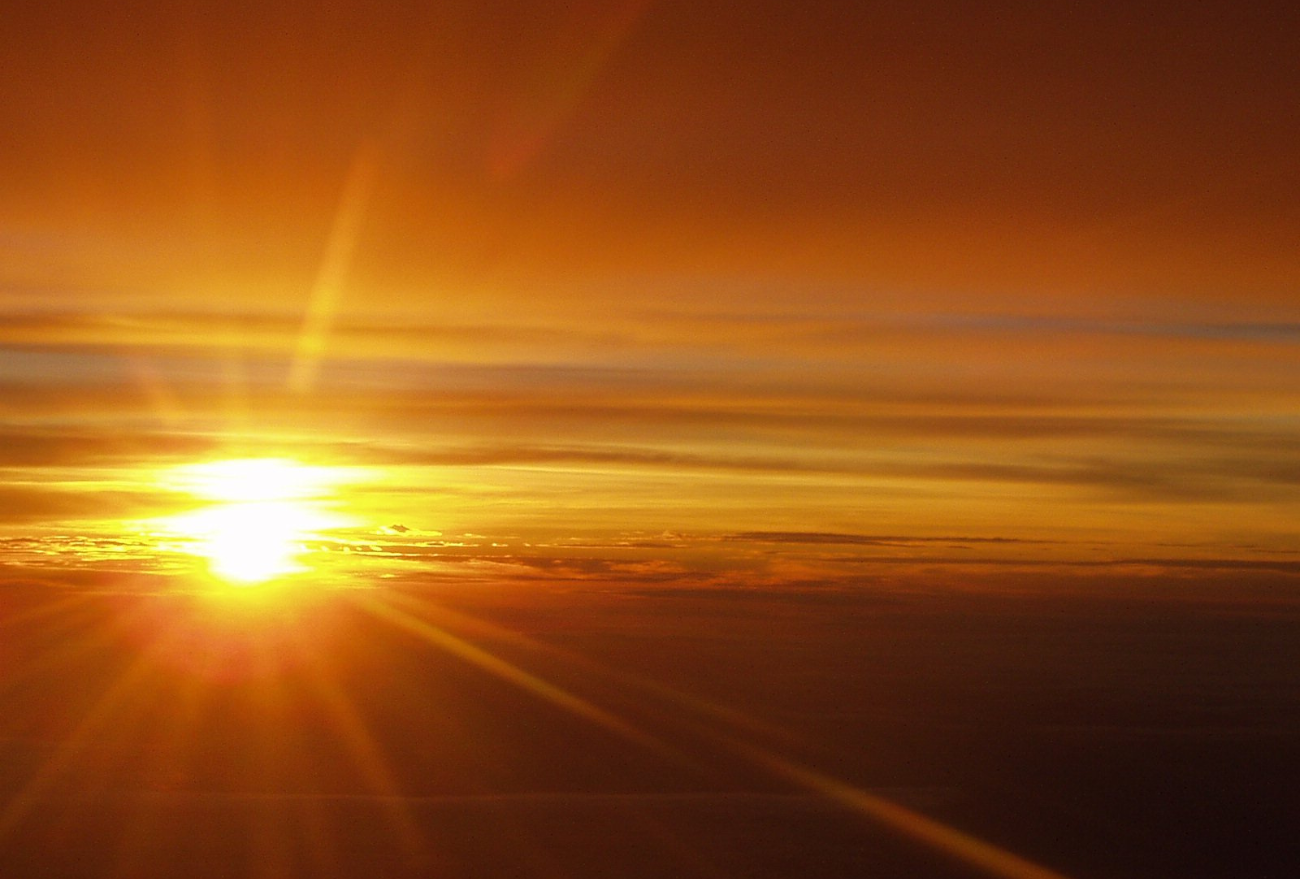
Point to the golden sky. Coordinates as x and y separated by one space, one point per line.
660 291
644 397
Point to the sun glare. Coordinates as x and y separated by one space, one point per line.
256 479
262 511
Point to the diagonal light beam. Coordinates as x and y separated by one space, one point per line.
512 674
935 835
334 266
962 847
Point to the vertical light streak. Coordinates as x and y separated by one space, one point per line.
556 90
367 757
334 266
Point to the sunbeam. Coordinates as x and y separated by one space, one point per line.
962 847
327 291
368 757
539 687
62 762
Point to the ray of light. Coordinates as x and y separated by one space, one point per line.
367 756
332 273
715 712
935 835
185 712
506 671
45 610
556 89
932 834
105 709
287 758
272 853
71 649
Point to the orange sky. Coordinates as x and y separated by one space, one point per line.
657 290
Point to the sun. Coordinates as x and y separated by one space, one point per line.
261 512
250 542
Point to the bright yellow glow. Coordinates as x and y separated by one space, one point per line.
263 512
250 542
256 479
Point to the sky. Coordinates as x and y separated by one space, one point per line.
649 437
734 293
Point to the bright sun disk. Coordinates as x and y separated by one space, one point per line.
262 512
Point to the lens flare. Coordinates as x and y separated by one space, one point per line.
262 513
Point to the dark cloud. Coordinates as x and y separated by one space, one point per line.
1167 565
819 537
1280 566
79 446
485 456
174 333
1171 478
1256 472
22 504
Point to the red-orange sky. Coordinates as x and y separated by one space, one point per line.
649 438
659 290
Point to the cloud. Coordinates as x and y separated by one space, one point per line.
41 447
1253 470
22 504
198 332
1279 566
821 537
595 455
1165 565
